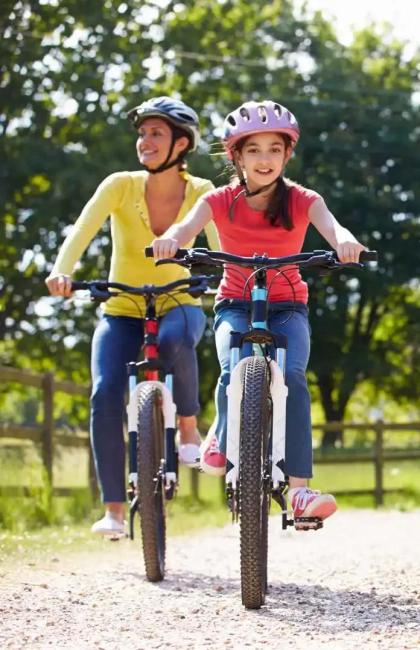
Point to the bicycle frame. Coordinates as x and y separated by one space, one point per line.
260 337
166 475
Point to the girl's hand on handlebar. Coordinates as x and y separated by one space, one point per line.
59 285
164 248
349 251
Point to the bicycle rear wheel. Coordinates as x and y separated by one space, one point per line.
253 482
150 482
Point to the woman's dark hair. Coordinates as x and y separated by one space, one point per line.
277 212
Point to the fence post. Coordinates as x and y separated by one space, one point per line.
379 463
48 428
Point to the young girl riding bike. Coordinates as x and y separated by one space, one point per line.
142 205
261 211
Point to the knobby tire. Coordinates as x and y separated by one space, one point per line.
150 452
253 492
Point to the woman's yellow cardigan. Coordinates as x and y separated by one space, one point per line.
122 197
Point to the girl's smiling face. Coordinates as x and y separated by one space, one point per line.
263 156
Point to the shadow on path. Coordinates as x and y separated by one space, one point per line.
306 606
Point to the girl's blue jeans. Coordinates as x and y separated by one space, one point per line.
293 322
116 341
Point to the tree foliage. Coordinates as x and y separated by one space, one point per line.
70 70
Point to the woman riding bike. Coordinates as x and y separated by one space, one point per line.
260 212
141 205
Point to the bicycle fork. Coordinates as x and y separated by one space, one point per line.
150 366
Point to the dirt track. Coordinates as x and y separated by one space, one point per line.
355 584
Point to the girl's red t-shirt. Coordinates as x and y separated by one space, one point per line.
250 232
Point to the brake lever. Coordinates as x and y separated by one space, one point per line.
198 290
337 266
98 294
171 260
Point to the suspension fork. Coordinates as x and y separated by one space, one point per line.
150 365
259 310
151 354
260 339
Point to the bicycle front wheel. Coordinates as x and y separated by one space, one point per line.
253 485
150 486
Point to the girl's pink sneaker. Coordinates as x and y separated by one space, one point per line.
212 460
311 503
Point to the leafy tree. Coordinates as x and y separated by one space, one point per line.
63 68
359 144
358 149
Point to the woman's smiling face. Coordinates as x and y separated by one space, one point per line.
154 142
263 156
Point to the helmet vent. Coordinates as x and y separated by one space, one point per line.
185 116
244 113
231 120
262 113
277 110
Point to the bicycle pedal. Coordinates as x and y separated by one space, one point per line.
308 523
116 537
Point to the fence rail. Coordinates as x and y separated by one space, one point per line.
47 435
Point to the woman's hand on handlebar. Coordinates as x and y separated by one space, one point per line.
164 247
59 285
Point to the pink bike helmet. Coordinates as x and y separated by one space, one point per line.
254 117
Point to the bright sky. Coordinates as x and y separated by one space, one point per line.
404 15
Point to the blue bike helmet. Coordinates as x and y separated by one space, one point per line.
180 117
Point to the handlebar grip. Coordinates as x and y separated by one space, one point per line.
368 256
181 252
77 285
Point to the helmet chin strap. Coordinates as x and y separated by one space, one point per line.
242 181
245 192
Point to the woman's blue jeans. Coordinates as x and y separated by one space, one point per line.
116 341
234 315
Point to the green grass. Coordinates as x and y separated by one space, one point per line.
185 513
21 465
401 475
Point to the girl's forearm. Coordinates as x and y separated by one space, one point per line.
182 233
192 224
328 226
337 235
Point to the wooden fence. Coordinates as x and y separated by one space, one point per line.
378 455
46 435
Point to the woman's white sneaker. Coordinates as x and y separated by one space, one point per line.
189 454
109 527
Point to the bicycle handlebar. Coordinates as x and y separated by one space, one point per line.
320 258
196 284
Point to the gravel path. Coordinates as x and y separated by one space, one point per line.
355 584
